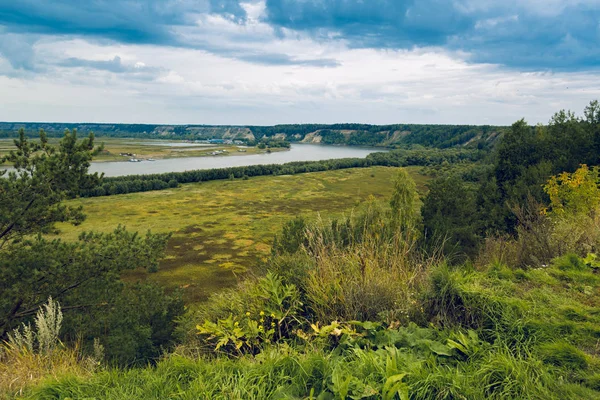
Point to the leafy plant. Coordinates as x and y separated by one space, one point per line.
248 331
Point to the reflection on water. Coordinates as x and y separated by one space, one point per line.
298 152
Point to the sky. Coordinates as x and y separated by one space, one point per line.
265 62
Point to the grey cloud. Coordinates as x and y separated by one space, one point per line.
115 66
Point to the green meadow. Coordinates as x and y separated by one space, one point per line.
223 229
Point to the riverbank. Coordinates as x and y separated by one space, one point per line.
253 156
123 150
116 150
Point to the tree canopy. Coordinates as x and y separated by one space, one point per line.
84 275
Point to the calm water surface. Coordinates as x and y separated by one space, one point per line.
298 152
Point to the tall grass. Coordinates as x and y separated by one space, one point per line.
366 266
374 278
34 352
21 368
283 372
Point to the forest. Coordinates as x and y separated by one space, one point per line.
483 286
440 136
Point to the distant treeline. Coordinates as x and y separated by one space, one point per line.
398 135
441 136
396 158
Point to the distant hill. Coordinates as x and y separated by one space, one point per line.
399 135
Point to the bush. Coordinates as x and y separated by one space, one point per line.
270 314
43 337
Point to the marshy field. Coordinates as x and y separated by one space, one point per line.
223 229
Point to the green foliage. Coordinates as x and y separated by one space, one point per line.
135 327
292 237
527 157
403 202
43 176
247 331
270 143
84 275
449 218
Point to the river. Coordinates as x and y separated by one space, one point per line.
297 152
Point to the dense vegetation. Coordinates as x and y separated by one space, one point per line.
399 135
84 275
489 290
508 193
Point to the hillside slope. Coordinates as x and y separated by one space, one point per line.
441 136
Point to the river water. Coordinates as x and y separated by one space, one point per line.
298 152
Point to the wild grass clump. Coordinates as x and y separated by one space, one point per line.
564 355
366 266
367 281
34 352
463 297
505 374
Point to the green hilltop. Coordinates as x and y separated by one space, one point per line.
421 273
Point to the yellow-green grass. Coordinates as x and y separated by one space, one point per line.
155 149
222 229
144 148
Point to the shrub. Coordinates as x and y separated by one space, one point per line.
43 337
270 314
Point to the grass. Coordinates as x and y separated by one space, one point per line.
224 228
393 362
146 148
20 368
157 149
488 332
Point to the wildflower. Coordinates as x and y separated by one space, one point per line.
247 313
236 324
262 313
273 324
260 328
272 315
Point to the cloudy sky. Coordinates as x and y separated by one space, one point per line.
294 61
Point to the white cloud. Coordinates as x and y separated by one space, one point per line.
427 85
